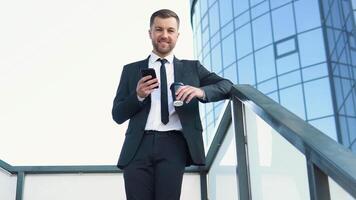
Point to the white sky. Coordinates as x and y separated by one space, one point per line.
60 64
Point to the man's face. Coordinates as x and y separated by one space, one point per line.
164 35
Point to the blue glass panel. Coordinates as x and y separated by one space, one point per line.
246 71
205 36
265 67
335 15
277 3
214 19
207 63
344 130
229 55
346 86
311 47
230 73
216 58
292 99
350 106
283 22
227 29
289 79
243 41
260 9
316 71
225 11
338 92
287 63
240 6
345 71
215 39
352 127
318 98
242 19
268 86
326 125
286 47
203 6
206 50
307 14
204 23
211 2
254 2
262 33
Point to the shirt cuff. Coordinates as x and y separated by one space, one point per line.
140 99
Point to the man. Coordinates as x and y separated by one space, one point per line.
162 139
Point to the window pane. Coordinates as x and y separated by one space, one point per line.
283 22
307 14
311 47
228 50
276 3
265 67
318 98
287 63
315 72
326 125
246 71
260 9
214 19
243 41
268 86
289 79
292 99
262 34
285 47
225 11
230 73
227 29
240 6
216 58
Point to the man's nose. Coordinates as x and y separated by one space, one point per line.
164 34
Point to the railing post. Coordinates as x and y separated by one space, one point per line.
203 185
318 182
241 150
19 186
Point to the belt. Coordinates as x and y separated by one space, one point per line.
152 132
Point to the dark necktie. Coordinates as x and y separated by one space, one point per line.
164 96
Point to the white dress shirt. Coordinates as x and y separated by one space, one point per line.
154 116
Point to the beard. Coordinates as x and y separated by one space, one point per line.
163 49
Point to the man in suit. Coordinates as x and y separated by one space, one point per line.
162 139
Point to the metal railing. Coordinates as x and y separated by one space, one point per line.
324 157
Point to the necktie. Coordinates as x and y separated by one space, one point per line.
164 96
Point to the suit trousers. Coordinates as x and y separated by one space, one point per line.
157 169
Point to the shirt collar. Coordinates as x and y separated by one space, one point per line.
154 57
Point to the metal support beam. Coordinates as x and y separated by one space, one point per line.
318 183
20 184
241 151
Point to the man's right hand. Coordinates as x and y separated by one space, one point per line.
145 86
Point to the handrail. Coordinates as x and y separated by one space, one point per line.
332 158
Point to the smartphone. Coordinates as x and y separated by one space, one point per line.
148 71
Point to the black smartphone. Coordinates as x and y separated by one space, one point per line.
148 71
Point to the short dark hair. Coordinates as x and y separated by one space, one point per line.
164 13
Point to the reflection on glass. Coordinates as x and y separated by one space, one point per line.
337 193
277 169
222 179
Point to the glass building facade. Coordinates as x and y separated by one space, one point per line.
300 53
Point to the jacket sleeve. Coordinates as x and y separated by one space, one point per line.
126 103
215 87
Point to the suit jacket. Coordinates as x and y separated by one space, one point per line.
127 106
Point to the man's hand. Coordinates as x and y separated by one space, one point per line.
145 86
187 93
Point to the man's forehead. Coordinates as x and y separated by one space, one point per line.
169 22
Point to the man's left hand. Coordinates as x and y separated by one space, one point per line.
187 93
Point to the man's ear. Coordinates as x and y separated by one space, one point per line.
149 33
